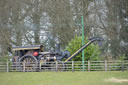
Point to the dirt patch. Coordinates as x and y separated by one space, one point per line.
116 80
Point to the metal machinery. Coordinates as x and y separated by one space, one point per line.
31 56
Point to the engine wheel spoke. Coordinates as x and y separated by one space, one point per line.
29 63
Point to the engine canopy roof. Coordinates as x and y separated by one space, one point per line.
33 47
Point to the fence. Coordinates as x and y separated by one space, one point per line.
61 66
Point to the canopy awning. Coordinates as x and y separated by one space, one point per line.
26 47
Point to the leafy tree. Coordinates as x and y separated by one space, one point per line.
91 52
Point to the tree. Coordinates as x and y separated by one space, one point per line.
110 18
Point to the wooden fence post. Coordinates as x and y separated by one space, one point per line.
122 66
106 66
23 66
7 67
40 66
89 66
62 67
16 63
56 66
72 66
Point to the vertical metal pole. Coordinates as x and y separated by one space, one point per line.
82 22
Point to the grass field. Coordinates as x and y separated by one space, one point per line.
64 78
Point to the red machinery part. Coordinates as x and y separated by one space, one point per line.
35 53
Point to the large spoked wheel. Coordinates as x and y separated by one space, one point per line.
28 63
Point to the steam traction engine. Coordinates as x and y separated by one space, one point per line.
32 56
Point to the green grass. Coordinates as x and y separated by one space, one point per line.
61 78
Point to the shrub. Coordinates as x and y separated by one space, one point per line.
91 52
